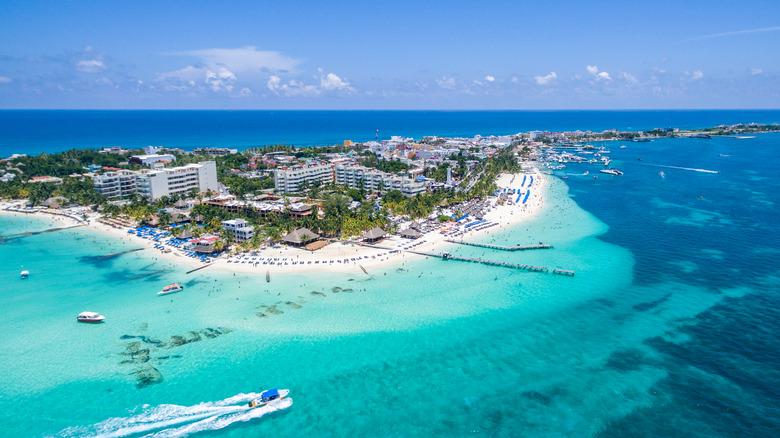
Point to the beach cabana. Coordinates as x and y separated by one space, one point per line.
415 226
186 234
55 202
374 235
410 233
300 237
180 204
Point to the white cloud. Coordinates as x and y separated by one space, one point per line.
291 88
245 59
245 92
628 77
695 75
738 32
756 71
333 82
446 83
544 80
490 78
222 80
514 79
592 69
90 66
4 79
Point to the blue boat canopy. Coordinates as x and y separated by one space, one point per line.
270 393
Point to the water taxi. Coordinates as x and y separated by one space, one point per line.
25 274
170 289
268 396
90 317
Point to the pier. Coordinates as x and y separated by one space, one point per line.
197 269
501 247
448 256
120 253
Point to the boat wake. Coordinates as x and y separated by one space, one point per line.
170 421
682 168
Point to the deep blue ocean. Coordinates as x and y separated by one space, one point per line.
670 327
33 132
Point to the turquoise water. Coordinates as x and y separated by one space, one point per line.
669 327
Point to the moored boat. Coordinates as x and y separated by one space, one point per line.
268 396
90 317
25 274
170 289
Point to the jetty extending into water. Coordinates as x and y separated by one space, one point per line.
448 256
501 247
120 253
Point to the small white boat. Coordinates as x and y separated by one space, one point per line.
611 171
25 274
90 317
170 289
268 396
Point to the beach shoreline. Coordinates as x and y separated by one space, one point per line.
342 256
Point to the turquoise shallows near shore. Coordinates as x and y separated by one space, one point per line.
668 327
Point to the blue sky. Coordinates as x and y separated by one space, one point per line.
389 55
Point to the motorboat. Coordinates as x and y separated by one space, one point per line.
25 274
170 289
90 317
268 396
611 171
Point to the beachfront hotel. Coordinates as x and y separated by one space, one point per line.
376 181
154 184
290 179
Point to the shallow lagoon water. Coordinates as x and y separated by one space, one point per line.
668 327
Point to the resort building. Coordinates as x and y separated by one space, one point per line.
241 229
376 181
116 185
290 179
200 177
155 184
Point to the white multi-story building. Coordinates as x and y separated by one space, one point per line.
241 229
376 181
289 179
155 184
119 184
201 177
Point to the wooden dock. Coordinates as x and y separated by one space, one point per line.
529 268
120 253
197 269
500 247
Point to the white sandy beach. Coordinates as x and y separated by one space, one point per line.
343 256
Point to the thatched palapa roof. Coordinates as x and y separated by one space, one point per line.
300 236
374 233
410 233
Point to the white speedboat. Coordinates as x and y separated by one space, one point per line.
90 317
170 289
25 274
268 396
611 171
